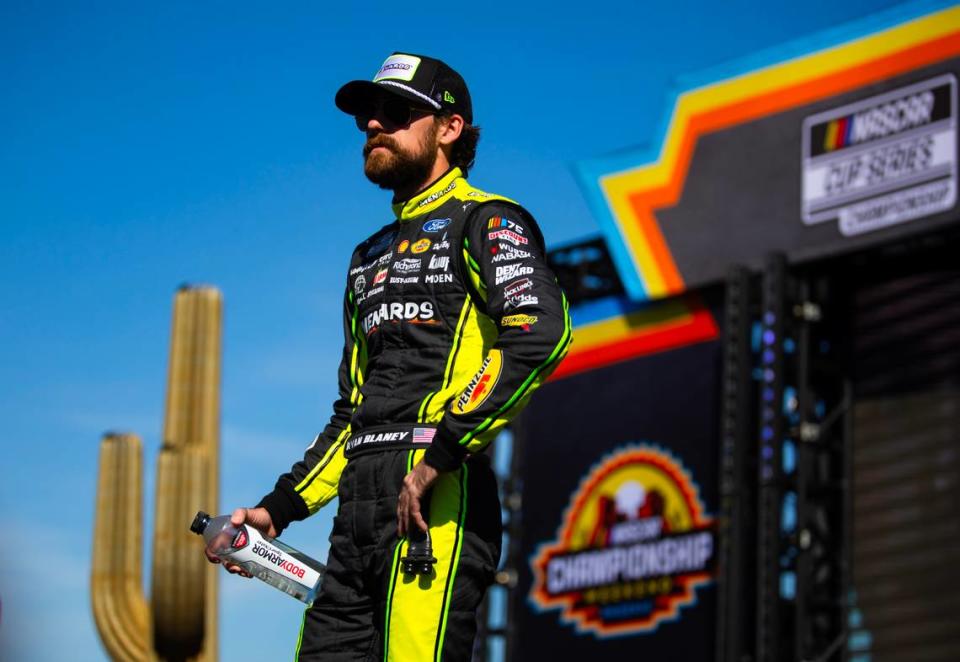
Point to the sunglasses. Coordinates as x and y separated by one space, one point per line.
395 111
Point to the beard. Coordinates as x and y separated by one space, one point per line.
395 167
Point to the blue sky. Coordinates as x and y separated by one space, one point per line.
147 146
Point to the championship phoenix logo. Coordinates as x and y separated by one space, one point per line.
634 546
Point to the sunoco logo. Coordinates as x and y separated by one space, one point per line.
633 548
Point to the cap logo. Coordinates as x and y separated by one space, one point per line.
398 67
448 97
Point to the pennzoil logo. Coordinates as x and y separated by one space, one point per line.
482 384
633 548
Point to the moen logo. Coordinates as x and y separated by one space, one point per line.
633 548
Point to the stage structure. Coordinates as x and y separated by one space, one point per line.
180 621
751 452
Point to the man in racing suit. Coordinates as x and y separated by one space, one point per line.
451 320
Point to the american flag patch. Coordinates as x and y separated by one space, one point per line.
423 435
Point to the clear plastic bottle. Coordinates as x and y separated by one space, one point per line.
267 559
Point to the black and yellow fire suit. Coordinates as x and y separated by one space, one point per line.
451 319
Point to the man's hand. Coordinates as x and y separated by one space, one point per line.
259 519
415 485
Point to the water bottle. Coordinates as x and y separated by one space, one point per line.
267 559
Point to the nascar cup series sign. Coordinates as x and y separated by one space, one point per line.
884 160
632 550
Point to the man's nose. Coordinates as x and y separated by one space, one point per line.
374 124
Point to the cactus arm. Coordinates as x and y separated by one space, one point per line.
184 585
119 608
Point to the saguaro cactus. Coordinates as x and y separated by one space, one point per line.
119 608
181 620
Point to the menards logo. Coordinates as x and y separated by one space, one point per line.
633 548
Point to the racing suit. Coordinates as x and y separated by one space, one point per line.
451 320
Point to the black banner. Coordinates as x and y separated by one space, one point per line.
619 469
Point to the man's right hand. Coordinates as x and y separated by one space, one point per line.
259 519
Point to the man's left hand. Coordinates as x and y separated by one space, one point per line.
415 485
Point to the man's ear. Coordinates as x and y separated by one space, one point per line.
450 129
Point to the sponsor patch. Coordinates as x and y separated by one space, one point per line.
507 235
397 280
441 245
499 222
510 271
508 254
420 246
361 268
523 321
632 550
380 244
404 245
359 284
398 67
440 262
519 301
380 276
410 311
407 265
438 278
436 225
433 197
369 294
482 383
514 289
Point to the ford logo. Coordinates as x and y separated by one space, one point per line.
436 225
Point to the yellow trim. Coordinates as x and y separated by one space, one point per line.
430 198
476 278
399 550
469 193
418 604
479 336
358 356
320 485
475 440
432 406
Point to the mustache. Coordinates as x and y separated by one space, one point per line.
379 140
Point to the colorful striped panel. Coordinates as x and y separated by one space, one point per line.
624 192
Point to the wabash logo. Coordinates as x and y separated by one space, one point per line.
482 383
632 550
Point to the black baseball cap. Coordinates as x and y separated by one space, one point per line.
424 81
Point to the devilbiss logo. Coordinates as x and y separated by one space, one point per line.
632 550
